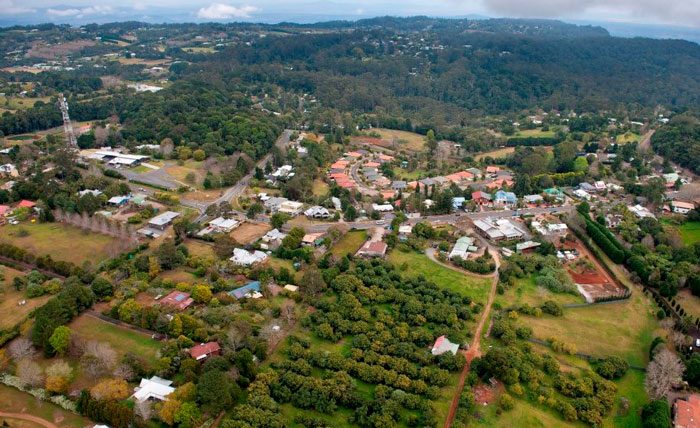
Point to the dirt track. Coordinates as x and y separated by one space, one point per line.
474 350
35 419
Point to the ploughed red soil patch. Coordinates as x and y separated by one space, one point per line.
372 141
485 394
596 282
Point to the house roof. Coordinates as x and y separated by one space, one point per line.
442 345
163 219
680 204
372 164
153 388
374 248
247 258
26 204
688 412
177 298
203 350
246 290
492 169
481 195
4 209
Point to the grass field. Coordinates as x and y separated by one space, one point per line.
198 248
15 401
628 137
527 292
401 173
319 187
19 103
495 153
179 172
624 329
249 232
199 49
690 232
534 133
10 312
120 339
419 264
61 242
411 141
349 243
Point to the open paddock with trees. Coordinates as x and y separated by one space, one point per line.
413 264
527 292
404 140
349 243
10 312
15 401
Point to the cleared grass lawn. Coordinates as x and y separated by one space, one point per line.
199 248
319 187
121 339
527 292
15 401
628 137
179 172
624 329
19 103
419 264
690 232
524 414
61 242
495 153
349 243
412 141
10 312
401 173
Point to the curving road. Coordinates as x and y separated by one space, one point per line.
30 418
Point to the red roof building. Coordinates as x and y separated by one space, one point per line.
687 412
373 249
26 204
205 350
4 209
492 169
385 158
481 197
177 299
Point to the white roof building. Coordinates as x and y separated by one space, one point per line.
291 208
243 257
583 194
163 220
223 224
274 235
382 208
317 211
442 345
155 388
93 192
462 248
499 229
641 211
336 203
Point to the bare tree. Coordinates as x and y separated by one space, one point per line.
287 312
124 371
664 371
29 373
99 359
143 410
237 333
59 368
22 349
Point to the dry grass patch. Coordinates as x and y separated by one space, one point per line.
405 140
250 232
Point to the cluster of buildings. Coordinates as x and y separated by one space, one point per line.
114 158
278 204
500 229
283 173
157 225
219 225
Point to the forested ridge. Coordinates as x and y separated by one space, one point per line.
679 141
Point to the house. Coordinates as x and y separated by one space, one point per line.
599 186
337 205
243 257
291 288
441 181
553 192
251 290
398 185
474 171
223 225
94 192
428 203
458 202
382 208
533 199
177 299
117 201
462 248
153 389
641 211
291 208
4 210
481 198
382 181
8 170
526 247
205 350
119 159
427 181
557 229
317 211
587 187
374 165
498 230
687 412
582 194
492 169
164 220
505 198
681 207
312 239
272 239
26 204
373 249
405 230
385 158
388 194
442 345
273 204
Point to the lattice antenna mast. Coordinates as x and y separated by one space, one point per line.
67 125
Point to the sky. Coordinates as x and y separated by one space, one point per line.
679 13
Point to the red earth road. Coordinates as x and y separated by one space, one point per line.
35 419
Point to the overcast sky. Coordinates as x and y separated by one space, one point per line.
662 12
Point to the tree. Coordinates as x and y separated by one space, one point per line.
664 371
21 349
29 373
201 294
213 390
101 287
656 414
60 339
111 389
278 219
168 409
312 283
188 416
612 368
580 164
431 142
199 155
224 246
254 210
350 213
57 375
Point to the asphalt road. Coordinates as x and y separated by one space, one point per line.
354 174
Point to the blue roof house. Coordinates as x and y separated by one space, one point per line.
505 198
246 290
457 202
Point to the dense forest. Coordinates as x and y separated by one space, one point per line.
679 141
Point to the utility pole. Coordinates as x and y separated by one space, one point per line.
67 125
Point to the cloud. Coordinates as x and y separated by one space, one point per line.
217 11
7 7
654 11
79 13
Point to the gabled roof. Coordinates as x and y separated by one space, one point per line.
203 350
26 204
246 290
